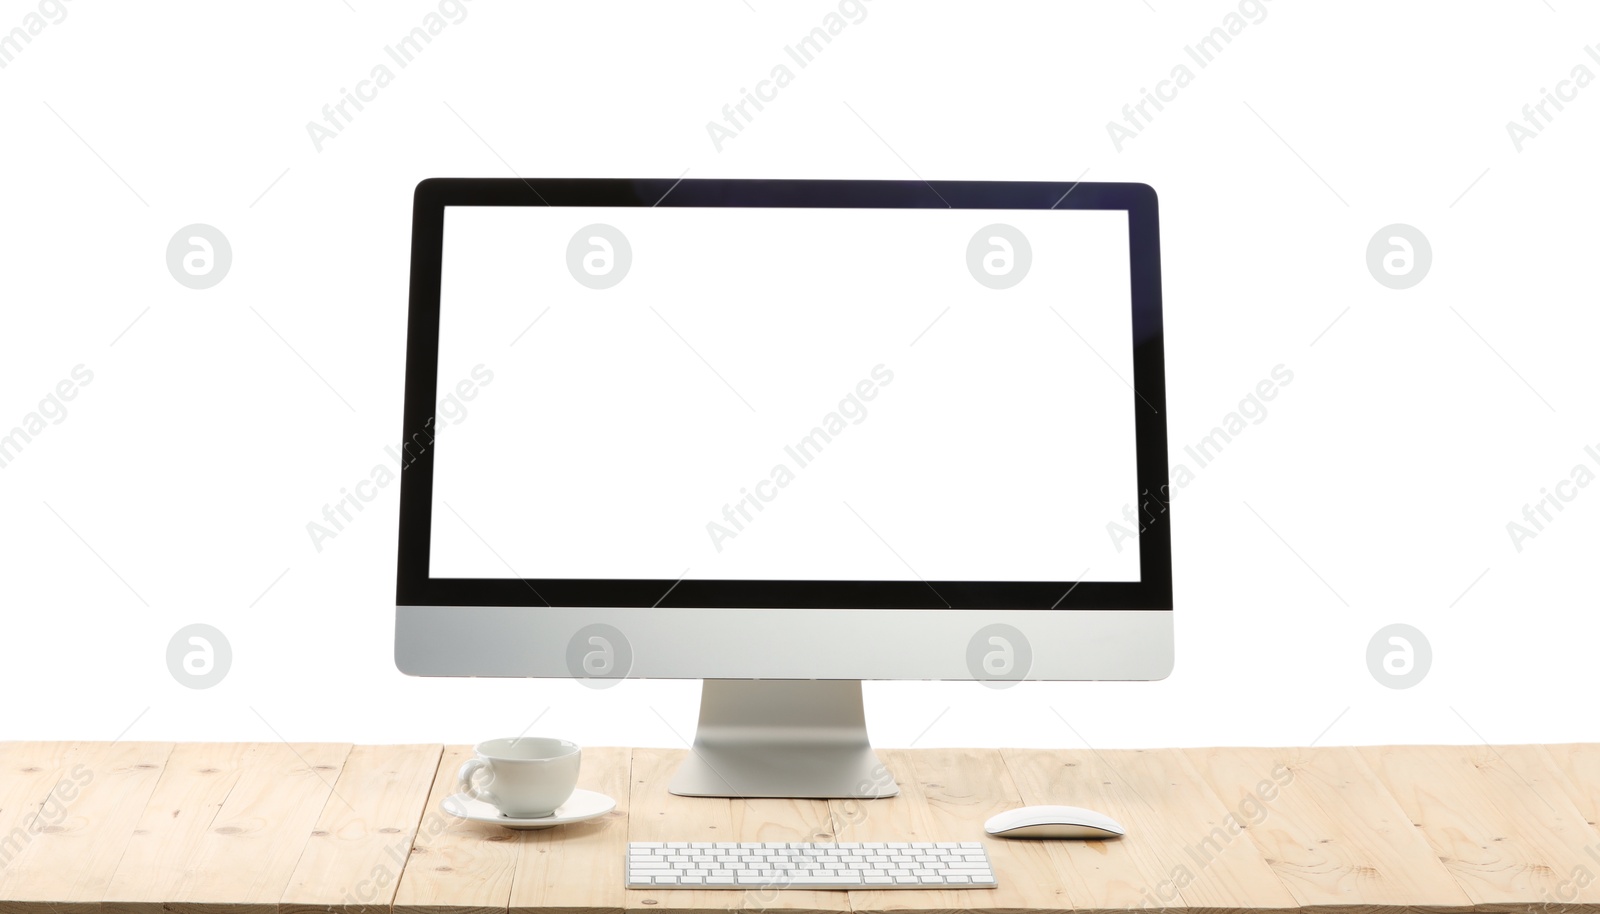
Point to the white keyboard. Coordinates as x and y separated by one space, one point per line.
846 865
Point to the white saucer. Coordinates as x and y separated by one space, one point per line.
580 807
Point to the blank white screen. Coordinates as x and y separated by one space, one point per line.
637 431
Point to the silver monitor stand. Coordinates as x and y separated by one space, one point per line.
782 738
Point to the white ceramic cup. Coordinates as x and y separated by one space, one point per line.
527 777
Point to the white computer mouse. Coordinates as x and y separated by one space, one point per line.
1053 822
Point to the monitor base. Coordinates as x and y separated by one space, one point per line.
804 739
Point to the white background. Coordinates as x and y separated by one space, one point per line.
997 442
1417 425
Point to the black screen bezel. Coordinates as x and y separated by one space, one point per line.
416 588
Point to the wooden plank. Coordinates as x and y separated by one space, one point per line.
1499 819
456 866
579 869
946 795
1184 848
243 860
1579 765
656 815
355 853
1333 833
30 773
193 784
83 828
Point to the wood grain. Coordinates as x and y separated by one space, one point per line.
82 828
244 858
159 857
1520 838
29 774
1331 831
1579 765
353 856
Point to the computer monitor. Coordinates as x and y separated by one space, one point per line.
784 436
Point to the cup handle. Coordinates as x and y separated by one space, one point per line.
465 778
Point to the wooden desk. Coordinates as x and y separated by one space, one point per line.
156 827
